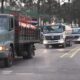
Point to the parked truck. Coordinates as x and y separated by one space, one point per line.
17 38
57 34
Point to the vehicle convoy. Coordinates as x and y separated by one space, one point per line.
76 34
17 38
57 35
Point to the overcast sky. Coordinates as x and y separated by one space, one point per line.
62 1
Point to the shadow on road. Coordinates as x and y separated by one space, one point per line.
17 61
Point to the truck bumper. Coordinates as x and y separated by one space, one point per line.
76 40
3 55
53 41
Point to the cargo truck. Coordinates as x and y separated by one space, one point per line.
17 38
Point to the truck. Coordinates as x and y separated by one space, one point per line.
58 34
17 39
76 34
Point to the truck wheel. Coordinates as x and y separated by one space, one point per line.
64 45
30 52
9 60
47 46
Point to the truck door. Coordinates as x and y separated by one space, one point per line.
11 29
11 24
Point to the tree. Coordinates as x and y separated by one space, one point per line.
2 7
76 10
48 7
66 12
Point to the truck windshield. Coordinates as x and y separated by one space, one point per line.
3 22
53 29
76 31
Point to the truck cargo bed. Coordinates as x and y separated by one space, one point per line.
28 35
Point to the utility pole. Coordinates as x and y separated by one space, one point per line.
38 11
2 6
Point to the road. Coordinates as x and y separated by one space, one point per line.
48 64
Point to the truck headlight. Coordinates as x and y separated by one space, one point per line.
79 39
2 48
61 41
45 41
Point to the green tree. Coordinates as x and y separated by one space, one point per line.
76 10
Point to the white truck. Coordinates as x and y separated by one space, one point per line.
76 34
57 35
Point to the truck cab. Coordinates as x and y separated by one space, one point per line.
7 23
56 35
6 32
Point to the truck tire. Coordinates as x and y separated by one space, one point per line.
9 60
30 52
64 45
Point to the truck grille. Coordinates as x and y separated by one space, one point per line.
52 37
76 37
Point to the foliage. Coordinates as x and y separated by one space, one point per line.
67 11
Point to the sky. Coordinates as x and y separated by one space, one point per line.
62 1
35 1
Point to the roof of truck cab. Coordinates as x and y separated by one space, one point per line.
75 27
55 25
